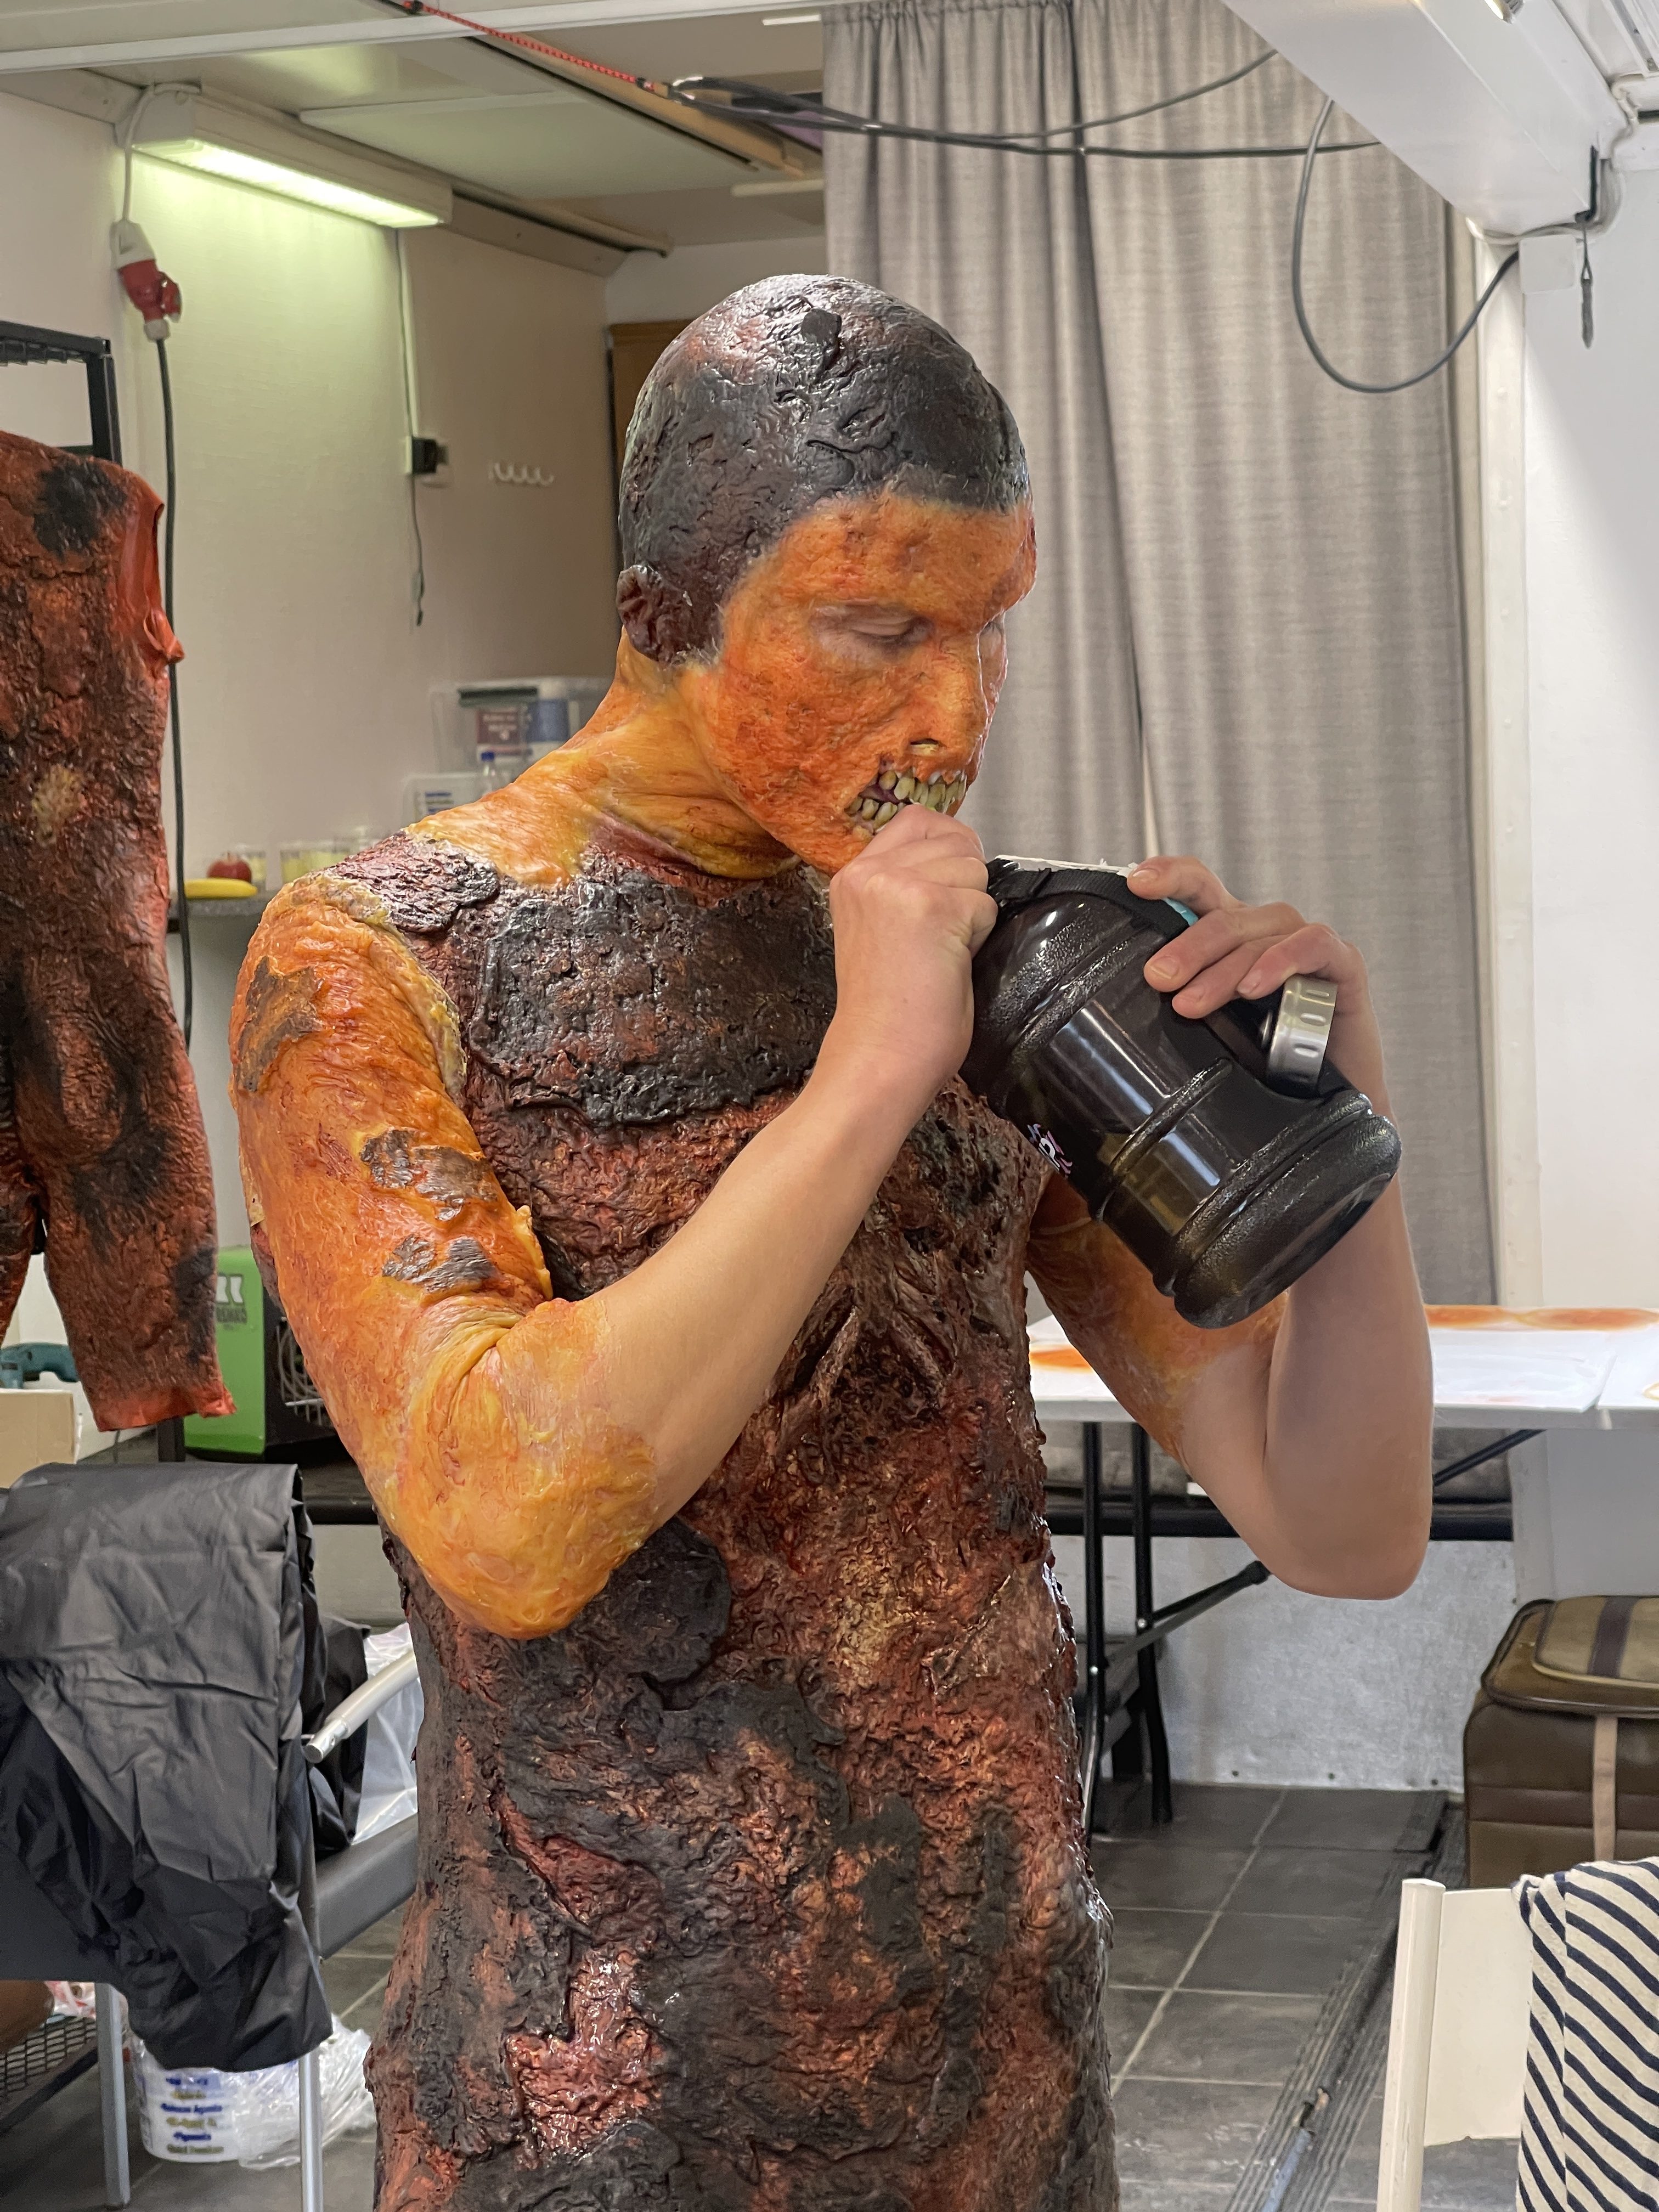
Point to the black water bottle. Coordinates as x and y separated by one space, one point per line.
1227 1153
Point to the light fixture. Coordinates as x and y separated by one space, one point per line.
193 133
1505 10
772 188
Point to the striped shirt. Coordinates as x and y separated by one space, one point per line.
1589 2131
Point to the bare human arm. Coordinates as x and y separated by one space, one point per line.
519 1444
1310 1425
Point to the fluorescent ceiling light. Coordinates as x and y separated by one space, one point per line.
248 150
774 188
292 184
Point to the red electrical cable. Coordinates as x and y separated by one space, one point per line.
532 45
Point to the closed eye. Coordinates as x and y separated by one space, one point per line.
883 629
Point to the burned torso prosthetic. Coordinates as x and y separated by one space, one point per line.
760 1885
751 1871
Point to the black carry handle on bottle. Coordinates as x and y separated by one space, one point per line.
1225 1181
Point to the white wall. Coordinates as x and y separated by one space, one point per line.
1592 593
654 288
306 689
1276 1688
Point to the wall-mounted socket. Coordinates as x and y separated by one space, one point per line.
429 458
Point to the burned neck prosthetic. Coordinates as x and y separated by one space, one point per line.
751 1873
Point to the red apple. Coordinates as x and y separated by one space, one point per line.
238 869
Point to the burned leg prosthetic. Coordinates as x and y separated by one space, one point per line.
100 1129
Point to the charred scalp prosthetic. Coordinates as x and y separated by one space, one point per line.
792 391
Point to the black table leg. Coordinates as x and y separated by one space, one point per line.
1094 1625
1151 1708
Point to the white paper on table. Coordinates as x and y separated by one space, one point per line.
1511 1360
1065 1389
1633 1383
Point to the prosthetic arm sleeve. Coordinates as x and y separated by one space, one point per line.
472 1400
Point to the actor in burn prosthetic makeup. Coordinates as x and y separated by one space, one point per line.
667 1286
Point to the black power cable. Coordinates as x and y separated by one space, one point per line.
1353 383
173 704
1153 106
756 103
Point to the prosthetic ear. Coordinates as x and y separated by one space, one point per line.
660 619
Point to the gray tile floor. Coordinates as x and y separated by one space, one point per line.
1231 1925
1466 2177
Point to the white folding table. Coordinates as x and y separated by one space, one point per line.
1515 1374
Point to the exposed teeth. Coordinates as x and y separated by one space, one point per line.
942 792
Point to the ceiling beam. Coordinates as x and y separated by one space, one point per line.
553 15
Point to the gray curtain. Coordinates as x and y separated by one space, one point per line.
1246 637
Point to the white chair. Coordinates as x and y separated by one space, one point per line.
1457 2035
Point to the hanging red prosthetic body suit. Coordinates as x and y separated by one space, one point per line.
102 1154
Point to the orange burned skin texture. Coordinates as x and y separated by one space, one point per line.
1149 1358
468 1397
867 643
473 1402
484 1441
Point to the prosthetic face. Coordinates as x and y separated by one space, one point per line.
859 664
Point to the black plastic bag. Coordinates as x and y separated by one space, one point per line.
153 1784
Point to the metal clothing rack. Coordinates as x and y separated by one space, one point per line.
22 344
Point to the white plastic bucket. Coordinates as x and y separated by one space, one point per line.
197 2116
186 2113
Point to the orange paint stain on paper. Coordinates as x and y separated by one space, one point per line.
1552 1317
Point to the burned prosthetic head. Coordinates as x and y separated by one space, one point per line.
825 516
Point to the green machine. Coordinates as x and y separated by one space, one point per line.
277 1404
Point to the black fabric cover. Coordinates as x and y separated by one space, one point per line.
335 1664
153 1785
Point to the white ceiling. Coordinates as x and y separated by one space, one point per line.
471 111
543 144
28 23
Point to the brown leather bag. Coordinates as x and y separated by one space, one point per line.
23 2006
1561 1750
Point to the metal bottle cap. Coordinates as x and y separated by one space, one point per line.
1300 1032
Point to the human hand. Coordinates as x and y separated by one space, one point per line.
909 913
1234 951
